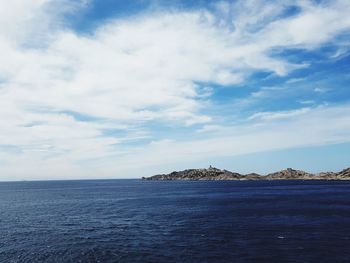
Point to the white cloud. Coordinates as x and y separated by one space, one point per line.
305 102
315 25
321 90
133 71
276 115
295 80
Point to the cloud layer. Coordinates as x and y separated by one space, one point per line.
61 90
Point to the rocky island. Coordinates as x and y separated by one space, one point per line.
213 173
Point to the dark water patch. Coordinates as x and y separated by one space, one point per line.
150 221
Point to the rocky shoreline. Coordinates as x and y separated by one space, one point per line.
213 173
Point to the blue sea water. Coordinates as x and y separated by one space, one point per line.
177 221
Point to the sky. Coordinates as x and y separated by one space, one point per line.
122 89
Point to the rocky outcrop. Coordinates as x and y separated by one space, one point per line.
343 175
213 173
198 174
289 174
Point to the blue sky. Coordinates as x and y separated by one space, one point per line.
121 89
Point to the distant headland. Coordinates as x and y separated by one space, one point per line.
213 173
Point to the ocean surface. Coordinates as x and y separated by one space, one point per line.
177 221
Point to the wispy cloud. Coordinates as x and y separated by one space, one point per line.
268 116
317 126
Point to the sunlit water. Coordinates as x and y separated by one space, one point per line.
154 221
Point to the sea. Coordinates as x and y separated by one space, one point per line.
175 221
